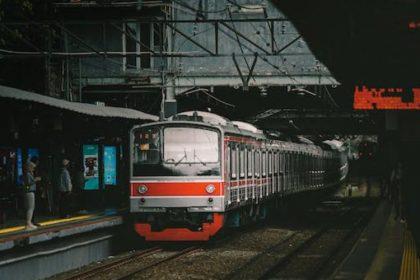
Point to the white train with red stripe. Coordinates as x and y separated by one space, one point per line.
198 172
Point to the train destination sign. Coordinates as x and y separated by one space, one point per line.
386 98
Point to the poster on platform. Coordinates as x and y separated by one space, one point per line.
19 167
33 153
91 172
110 165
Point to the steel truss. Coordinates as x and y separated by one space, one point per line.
225 26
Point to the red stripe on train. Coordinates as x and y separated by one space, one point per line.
176 188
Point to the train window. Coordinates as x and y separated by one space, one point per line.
242 162
264 163
175 151
275 163
297 162
257 163
189 145
285 162
292 162
249 162
228 161
281 162
233 160
146 146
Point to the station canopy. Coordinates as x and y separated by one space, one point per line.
78 107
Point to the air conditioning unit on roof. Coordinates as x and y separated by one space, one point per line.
247 9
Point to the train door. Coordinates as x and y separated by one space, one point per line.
308 168
270 172
228 174
257 168
297 170
234 182
263 173
283 172
280 172
293 170
312 171
276 171
286 171
250 174
241 172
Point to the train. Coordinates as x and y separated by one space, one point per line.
197 172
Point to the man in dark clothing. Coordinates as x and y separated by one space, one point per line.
396 179
65 187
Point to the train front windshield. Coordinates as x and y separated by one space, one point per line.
176 151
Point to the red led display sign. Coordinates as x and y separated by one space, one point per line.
386 98
414 25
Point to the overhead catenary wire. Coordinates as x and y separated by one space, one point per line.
242 51
330 97
206 92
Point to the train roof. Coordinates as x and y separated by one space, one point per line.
247 129
234 127
334 144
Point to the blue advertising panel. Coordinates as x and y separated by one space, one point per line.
110 165
32 153
90 161
19 167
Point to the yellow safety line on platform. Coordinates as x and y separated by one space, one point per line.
12 229
410 264
48 223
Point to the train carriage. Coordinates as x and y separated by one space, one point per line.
191 174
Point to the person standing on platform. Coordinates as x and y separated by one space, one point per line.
396 178
29 194
39 189
65 187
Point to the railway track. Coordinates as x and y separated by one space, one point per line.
176 255
132 259
305 254
316 257
308 252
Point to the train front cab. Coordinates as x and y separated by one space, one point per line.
176 184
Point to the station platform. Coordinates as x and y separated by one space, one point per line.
14 235
385 250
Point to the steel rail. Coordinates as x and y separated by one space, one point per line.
236 274
110 266
312 240
283 261
181 253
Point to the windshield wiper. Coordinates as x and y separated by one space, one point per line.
196 157
181 159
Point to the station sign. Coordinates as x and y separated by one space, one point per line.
414 25
386 98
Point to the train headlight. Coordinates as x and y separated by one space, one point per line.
142 189
210 188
